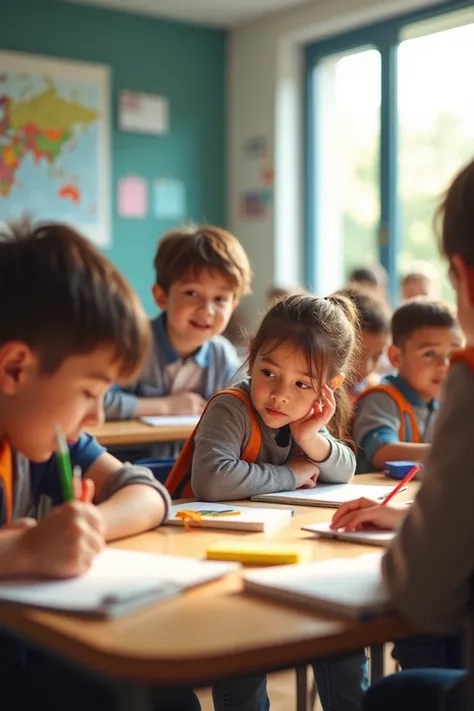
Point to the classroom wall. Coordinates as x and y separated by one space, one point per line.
265 100
183 62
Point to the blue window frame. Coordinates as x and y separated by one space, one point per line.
385 37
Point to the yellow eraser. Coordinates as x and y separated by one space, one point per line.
259 553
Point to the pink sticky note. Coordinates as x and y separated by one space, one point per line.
132 197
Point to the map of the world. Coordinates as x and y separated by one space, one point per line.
54 143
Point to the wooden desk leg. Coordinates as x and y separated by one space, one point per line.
134 697
301 688
377 665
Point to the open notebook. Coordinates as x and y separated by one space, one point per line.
351 587
238 518
119 581
371 536
171 420
331 495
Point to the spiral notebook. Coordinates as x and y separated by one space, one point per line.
351 587
118 582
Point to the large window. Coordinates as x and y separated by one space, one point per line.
390 121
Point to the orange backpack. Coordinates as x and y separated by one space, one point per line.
405 410
178 482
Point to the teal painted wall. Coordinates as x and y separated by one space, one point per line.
183 62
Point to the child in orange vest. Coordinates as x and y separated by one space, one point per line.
296 365
429 567
394 421
271 434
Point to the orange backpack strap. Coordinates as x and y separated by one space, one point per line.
6 481
178 482
466 356
405 410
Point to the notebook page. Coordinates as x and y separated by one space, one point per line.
371 537
171 420
244 514
337 493
116 577
347 585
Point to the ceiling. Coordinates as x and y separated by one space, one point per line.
219 13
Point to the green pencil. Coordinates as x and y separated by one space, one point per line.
64 465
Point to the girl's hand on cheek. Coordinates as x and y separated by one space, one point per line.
320 414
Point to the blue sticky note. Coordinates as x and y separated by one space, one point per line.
169 199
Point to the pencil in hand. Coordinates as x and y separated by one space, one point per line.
64 465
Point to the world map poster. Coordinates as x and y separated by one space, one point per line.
55 143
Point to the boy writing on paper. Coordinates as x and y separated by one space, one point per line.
201 274
70 326
394 421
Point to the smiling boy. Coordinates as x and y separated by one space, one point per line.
394 421
201 274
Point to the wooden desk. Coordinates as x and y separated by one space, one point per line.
212 632
129 432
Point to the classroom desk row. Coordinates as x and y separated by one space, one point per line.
130 432
209 633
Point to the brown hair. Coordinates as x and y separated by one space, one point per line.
325 331
198 248
374 315
63 298
420 312
456 213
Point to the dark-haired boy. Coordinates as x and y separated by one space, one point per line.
73 325
394 421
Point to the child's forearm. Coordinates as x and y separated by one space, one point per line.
134 509
319 449
153 406
399 451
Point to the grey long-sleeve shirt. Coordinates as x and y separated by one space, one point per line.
218 472
429 568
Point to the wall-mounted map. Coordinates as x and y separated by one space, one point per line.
55 143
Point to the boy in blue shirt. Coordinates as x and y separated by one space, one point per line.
394 421
201 274
70 326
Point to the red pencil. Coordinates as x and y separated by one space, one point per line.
413 472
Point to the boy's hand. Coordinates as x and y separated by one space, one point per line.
306 472
354 515
64 543
185 404
304 431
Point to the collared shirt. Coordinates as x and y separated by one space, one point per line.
377 421
210 369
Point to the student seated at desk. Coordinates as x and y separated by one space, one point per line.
374 324
72 326
201 274
394 421
295 397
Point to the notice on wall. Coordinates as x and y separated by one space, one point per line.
169 199
132 197
143 113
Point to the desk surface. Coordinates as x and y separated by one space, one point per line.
211 632
127 432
